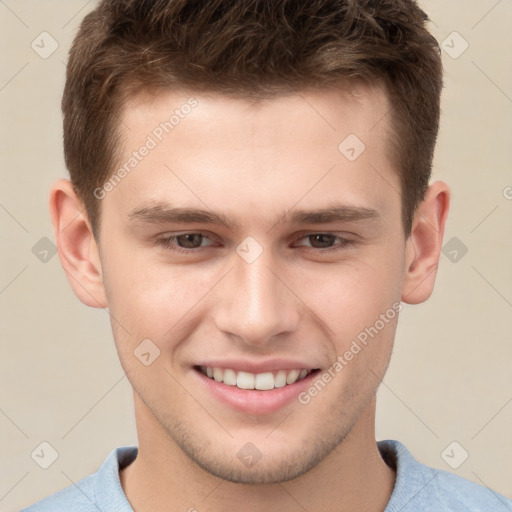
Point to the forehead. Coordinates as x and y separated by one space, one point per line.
314 147
332 109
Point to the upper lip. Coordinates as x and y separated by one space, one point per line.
269 365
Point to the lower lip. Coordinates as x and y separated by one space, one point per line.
254 401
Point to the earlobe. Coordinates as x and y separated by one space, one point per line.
78 251
423 248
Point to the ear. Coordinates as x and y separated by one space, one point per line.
78 251
423 247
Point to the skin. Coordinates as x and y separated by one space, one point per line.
254 163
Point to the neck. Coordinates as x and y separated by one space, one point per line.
163 478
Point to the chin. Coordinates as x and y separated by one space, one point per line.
249 465
262 473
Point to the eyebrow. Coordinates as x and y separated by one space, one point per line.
333 214
160 213
163 213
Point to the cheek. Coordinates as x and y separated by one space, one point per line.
151 299
352 296
361 305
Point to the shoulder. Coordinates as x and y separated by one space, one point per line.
100 491
457 493
78 497
422 488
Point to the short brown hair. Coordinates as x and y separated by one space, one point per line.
250 48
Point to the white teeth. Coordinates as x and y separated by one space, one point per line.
280 379
264 381
261 381
230 377
245 380
218 374
292 376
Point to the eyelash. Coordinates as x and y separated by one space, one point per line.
167 242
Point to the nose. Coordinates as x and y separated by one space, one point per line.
256 304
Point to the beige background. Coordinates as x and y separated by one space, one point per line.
450 377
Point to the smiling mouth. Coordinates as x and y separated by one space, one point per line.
260 381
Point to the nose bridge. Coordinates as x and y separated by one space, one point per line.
256 306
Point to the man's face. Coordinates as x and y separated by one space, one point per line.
268 291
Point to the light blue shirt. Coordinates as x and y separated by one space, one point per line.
418 488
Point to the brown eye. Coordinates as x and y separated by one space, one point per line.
321 240
189 240
185 242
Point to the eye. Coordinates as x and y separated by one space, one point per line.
325 241
184 242
191 242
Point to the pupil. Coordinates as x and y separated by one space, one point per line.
324 239
189 240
